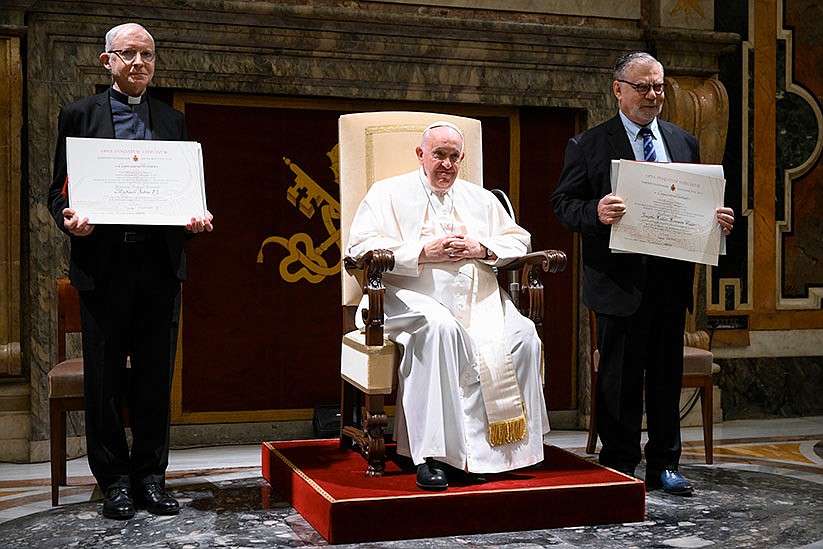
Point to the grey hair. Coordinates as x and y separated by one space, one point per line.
114 32
634 57
440 124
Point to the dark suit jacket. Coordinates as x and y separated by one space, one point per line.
91 117
613 283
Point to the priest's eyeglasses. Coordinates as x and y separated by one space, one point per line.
643 89
128 56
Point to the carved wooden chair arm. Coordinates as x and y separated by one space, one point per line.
531 284
373 264
550 261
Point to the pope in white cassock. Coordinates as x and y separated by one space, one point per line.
469 392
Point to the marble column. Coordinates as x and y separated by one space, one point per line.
14 387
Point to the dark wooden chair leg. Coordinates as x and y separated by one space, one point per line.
707 407
370 436
591 443
347 402
57 434
375 427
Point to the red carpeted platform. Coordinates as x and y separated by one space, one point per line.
327 486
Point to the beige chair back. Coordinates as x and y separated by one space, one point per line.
378 145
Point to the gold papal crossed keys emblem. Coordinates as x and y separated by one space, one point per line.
304 259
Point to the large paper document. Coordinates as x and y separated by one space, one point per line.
131 182
671 211
712 170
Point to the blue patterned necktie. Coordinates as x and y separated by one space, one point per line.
648 145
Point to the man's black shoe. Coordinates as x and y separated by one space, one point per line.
627 472
625 469
463 477
157 501
431 476
117 504
476 478
670 480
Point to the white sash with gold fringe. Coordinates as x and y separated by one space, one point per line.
482 316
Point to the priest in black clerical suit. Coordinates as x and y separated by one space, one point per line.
128 279
640 301
94 116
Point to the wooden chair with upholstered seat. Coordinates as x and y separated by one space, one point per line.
698 372
375 146
65 382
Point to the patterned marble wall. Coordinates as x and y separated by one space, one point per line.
766 387
799 173
772 281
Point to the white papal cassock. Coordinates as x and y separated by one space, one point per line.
443 315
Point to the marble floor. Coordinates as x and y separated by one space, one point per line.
765 490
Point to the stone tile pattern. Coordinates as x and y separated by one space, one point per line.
731 508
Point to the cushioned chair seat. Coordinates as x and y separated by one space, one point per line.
66 379
697 361
372 369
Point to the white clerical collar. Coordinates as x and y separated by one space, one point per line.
128 99
440 193
431 190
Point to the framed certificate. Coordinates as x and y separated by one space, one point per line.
132 182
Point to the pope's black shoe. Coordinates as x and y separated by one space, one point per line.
157 501
670 480
117 504
476 478
463 477
431 476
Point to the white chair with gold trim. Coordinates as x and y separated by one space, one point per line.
375 146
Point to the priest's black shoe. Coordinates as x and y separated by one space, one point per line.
431 476
157 501
117 504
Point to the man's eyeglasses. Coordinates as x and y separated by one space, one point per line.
128 56
643 89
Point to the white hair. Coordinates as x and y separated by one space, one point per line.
440 124
114 32
621 67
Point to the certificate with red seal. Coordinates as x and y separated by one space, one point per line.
135 182
671 211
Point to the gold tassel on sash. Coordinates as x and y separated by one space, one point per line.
510 430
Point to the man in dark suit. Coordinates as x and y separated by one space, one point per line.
128 279
639 300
